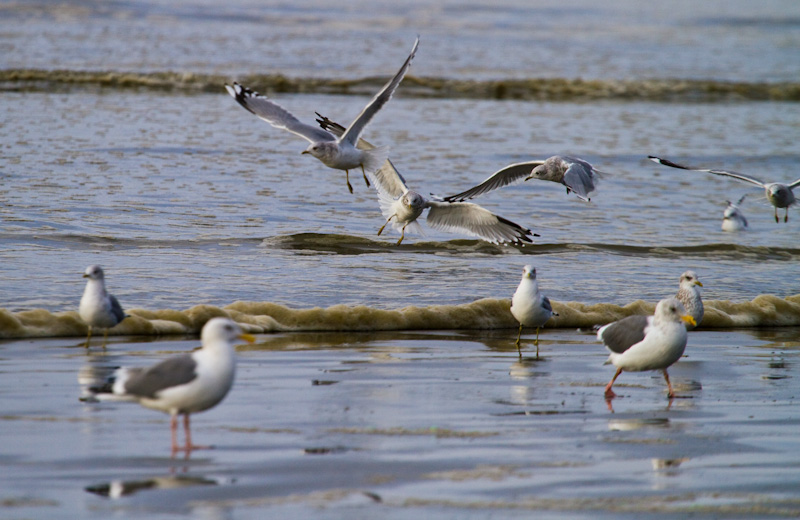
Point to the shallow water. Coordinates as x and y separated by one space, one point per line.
119 146
414 424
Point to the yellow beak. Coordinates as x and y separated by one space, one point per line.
688 319
697 282
247 337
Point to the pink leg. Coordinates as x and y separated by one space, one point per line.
609 392
173 428
188 430
670 393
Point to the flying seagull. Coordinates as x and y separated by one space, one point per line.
779 195
339 153
639 343
530 307
402 207
98 308
183 384
576 174
733 218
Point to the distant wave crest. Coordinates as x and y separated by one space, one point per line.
540 89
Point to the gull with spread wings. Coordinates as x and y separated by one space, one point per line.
576 174
779 195
401 207
338 152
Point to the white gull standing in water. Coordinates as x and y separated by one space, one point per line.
689 296
576 174
530 307
402 207
779 195
639 343
98 308
733 219
341 153
183 384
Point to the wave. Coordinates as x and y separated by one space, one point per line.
358 245
538 89
489 313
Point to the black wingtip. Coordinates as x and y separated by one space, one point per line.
241 94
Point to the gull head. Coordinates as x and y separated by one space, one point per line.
413 201
324 151
223 330
671 309
546 172
529 272
94 272
689 280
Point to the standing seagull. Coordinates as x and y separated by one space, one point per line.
639 343
402 207
779 195
184 384
341 153
733 218
530 307
689 296
98 308
576 174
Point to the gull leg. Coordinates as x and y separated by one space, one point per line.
516 343
609 392
537 342
347 178
402 234
670 393
188 430
776 215
365 176
173 429
89 337
105 338
786 215
384 224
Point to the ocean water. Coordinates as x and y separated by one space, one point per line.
119 146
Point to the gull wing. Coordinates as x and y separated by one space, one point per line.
174 371
275 114
735 175
353 132
579 177
794 184
116 308
473 220
625 333
509 175
386 178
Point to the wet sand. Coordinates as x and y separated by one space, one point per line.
413 425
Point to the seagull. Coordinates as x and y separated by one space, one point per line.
339 153
576 174
733 218
530 307
779 195
402 207
639 343
98 308
182 384
689 296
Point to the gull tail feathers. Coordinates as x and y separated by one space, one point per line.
374 159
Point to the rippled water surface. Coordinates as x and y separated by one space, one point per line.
119 146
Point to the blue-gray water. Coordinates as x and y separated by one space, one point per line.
186 199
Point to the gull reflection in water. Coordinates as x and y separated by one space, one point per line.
121 488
